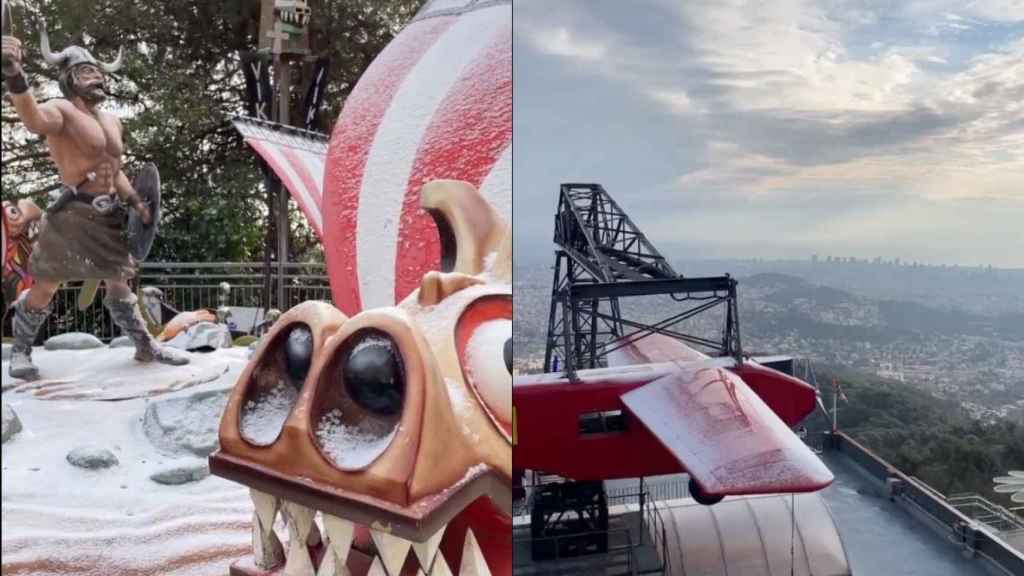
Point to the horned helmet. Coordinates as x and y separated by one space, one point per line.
72 58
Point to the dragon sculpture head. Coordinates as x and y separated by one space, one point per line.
394 424
379 427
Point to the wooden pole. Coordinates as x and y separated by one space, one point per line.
282 72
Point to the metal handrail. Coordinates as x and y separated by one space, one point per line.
558 564
191 286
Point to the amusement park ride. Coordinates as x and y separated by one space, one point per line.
635 399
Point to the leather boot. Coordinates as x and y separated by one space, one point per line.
26 325
126 314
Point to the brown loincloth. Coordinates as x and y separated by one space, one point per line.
79 243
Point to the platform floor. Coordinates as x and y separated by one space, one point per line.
881 537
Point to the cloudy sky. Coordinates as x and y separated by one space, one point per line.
778 129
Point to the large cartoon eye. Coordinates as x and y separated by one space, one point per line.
298 353
275 385
13 212
362 400
373 375
484 339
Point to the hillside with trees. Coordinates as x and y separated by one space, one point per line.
924 436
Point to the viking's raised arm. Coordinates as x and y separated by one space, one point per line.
43 119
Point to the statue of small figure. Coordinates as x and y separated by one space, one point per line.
82 235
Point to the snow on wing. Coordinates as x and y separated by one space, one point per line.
725 436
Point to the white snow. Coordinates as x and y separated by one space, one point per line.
353 446
264 416
60 520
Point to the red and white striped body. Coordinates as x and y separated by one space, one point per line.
436 104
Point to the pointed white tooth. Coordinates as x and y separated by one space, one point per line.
339 536
267 506
391 549
300 521
440 567
299 563
314 538
376 569
300 524
473 563
331 566
426 551
267 551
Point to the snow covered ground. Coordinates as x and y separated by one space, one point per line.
158 422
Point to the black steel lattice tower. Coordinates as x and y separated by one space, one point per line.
602 257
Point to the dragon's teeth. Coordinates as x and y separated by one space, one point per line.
299 563
339 536
426 551
266 507
267 550
300 526
376 569
392 550
266 547
331 566
440 567
473 563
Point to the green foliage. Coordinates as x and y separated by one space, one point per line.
923 436
180 85
244 341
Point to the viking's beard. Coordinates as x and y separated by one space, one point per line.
93 93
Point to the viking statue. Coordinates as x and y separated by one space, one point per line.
84 233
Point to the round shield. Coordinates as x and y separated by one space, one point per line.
140 235
435 104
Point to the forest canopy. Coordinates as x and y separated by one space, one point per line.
180 85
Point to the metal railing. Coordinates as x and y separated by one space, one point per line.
192 286
617 560
652 531
977 507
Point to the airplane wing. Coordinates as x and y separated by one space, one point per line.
723 433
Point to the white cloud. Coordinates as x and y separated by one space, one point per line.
560 41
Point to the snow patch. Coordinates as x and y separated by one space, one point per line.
73 341
264 416
122 342
186 425
353 446
92 457
182 473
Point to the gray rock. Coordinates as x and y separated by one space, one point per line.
11 423
6 352
92 457
186 426
73 341
182 473
121 342
202 336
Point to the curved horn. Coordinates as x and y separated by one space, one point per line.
115 65
44 45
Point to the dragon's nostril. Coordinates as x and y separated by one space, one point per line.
298 354
374 376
